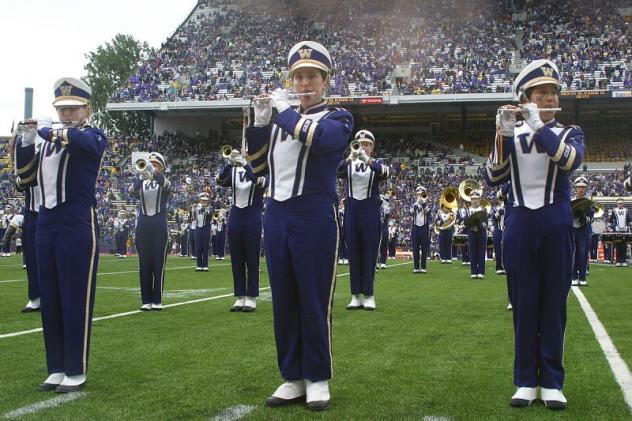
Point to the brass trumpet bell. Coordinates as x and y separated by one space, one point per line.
140 165
226 151
355 146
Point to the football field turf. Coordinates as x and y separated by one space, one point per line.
439 345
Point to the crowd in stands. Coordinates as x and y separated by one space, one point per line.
227 49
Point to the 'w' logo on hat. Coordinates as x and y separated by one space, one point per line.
65 89
305 52
548 72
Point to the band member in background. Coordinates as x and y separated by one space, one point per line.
121 224
498 221
184 238
476 236
420 235
620 223
444 216
594 246
385 215
581 224
66 239
461 214
301 151
342 244
244 229
192 219
201 215
363 223
152 232
393 238
627 184
5 220
537 154
220 235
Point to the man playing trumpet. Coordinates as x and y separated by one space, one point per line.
537 155
420 235
475 221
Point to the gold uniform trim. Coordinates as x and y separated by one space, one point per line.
28 179
26 167
64 137
297 129
571 159
331 292
259 153
260 168
86 325
71 97
310 134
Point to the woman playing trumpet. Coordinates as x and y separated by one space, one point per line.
420 235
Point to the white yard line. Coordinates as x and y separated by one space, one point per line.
234 413
619 368
129 313
50 403
12 280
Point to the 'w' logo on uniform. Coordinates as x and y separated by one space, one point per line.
360 167
65 90
548 72
242 177
305 52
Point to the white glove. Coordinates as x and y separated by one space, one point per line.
280 99
28 135
263 111
362 156
532 116
45 122
236 160
507 122
150 169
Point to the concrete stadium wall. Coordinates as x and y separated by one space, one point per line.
190 125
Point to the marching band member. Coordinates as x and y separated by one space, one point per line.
385 214
201 215
152 232
66 238
363 223
581 224
121 224
420 235
5 221
220 235
476 236
184 238
620 222
244 229
304 147
192 251
20 222
32 202
461 215
537 155
627 184
342 244
445 235
393 237
498 221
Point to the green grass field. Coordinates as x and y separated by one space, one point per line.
439 345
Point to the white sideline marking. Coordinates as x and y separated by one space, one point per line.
50 403
129 313
433 418
12 280
234 413
619 368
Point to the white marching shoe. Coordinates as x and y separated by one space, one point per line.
145 307
480 276
71 384
583 283
382 265
509 307
416 271
239 304
287 393
368 303
356 302
553 398
51 382
317 395
524 397
472 276
250 304
32 306
423 271
575 282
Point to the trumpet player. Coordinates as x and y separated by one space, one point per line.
581 225
244 228
65 170
363 223
537 155
498 222
385 235
218 230
301 150
201 215
152 233
121 225
420 235
620 222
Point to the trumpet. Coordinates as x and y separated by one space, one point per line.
355 146
215 215
227 150
422 197
140 165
